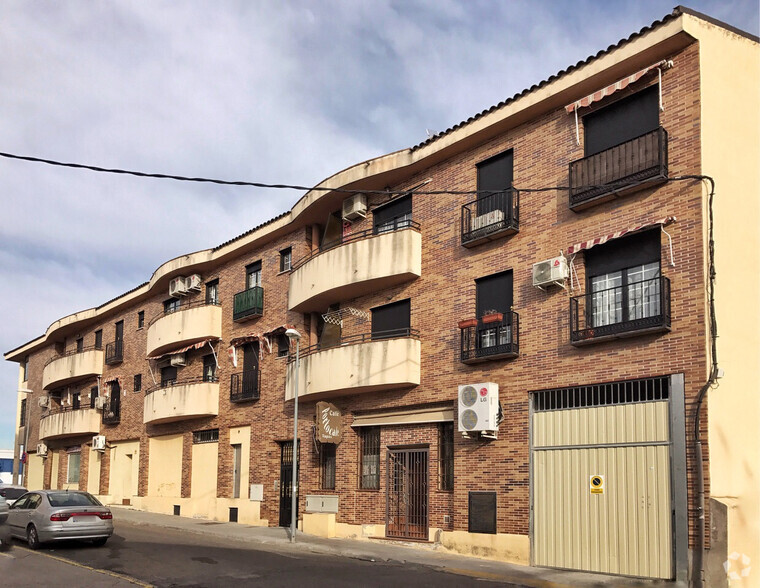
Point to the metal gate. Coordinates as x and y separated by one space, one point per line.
601 484
406 512
286 482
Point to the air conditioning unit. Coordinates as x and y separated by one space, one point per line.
42 449
478 407
178 287
99 442
355 207
43 401
551 271
193 283
178 359
100 402
487 219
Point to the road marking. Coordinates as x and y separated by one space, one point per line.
105 572
8 555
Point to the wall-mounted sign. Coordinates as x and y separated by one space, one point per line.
596 484
329 423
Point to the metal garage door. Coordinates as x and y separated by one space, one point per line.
601 478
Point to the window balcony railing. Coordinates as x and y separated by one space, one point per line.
182 305
245 386
167 384
490 341
490 217
620 169
248 304
354 340
111 411
623 311
115 352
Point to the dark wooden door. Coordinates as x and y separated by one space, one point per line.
406 515
286 482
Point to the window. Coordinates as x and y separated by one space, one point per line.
391 320
369 441
73 468
168 375
22 421
24 369
253 275
93 396
624 279
137 383
327 466
209 368
207 436
283 345
396 214
286 256
622 121
446 456
80 345
75 401
494 294
212 292
495 176
141 319
98 338
171 305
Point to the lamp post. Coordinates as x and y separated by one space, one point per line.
292 334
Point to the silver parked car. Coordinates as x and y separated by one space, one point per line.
5 536
12 492
54 515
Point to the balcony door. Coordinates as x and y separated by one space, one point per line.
250 370
494 293
495 176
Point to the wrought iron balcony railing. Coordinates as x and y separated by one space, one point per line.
624 311
355 339
245 386
489 341
619 169
490 217
111 411
115 352
248 304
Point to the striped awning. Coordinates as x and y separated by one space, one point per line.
612 88
197 345
111 379
599 240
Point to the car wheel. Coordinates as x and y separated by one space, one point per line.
100 542
32 538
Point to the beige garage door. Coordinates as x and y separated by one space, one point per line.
601 480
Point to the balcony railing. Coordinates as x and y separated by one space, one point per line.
72 352
619 169
248 304
166 384
115 352
183 305
355 339
490 341
112 411
490 217
245 386
624 311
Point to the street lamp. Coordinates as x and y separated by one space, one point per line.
292 334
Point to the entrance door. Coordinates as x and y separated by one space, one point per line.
286 482
406 514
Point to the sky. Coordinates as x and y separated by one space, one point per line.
263 91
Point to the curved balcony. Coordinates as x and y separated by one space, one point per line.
361 263
357 365
73 366
187 324
60 423
181 400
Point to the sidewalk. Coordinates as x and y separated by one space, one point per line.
278 538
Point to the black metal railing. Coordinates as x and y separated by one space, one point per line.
497 340
115 352
624 310
359 236
73 352
245 386
490 217
181 382
248 303
355 339
619 168
62 409
183 305
111 411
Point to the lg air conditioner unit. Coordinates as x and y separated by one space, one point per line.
100 402
551 271
42 449
99 442
478 407
193 283
355 207
178 359
178 287
43 401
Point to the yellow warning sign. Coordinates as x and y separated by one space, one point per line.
596 484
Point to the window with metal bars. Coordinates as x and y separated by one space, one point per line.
609 394
446 456
370 458
22 421
207 436
327 466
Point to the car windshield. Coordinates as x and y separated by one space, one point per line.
72 499
12 493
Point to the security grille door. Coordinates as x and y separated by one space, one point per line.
406 514
286 482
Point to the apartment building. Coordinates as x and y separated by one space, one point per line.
505 336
